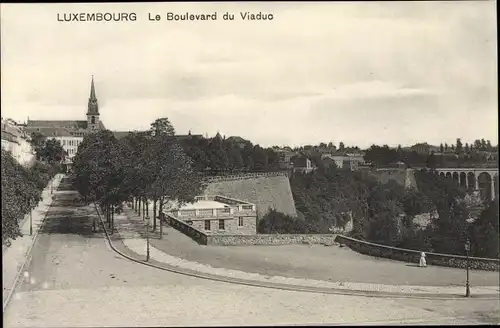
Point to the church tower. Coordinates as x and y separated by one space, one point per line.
93 110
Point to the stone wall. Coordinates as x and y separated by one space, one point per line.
408 255
231 225
197 235
274 239
265 192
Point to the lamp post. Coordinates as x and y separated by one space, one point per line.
31 219
467 286
147 238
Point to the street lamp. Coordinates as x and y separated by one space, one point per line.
467 286
147 238
31 219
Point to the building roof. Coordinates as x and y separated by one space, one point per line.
72 124
50 131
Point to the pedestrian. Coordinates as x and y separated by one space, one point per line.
422 263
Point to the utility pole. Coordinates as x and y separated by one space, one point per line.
467 285
147 239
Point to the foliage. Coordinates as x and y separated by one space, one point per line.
224 156
48 150
485 233
277 222
143 165
21 191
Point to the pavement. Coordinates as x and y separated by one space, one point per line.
298 265
75 279
15 256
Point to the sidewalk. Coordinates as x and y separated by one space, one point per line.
14 256
135 242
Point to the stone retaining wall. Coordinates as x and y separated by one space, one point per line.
270 239
408 255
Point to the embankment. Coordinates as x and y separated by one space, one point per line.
265 191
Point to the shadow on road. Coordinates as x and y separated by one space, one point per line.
68 214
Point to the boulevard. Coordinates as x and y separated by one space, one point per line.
75 279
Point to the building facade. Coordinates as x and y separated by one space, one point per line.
17 142
351 161
218 215
303 165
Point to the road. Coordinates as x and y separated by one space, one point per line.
75 279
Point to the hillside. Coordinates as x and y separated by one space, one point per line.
265 192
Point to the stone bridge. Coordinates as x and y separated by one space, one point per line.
470 178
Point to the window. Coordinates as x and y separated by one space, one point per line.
221 224
207 225
92 120
64 142
240 222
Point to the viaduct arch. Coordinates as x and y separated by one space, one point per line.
481 179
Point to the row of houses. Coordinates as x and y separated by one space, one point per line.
16 141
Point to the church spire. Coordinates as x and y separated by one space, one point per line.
92 90
93 106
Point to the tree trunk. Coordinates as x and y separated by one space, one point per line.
154 214
161 216
112 219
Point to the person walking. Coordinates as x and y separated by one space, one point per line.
422 263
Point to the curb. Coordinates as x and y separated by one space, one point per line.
28 257
237 281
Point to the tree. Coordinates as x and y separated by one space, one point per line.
446 147
162 126
52 151
441 148
488 146
21 191
99 172
485 237
459 148
277 222
483 144
341 147
173 178
477 144
467 149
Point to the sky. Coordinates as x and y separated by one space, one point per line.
358 73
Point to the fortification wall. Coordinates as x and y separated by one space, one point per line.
413 256
272 191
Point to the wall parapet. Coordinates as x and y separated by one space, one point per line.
190 231
243 176
413 256
270 239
